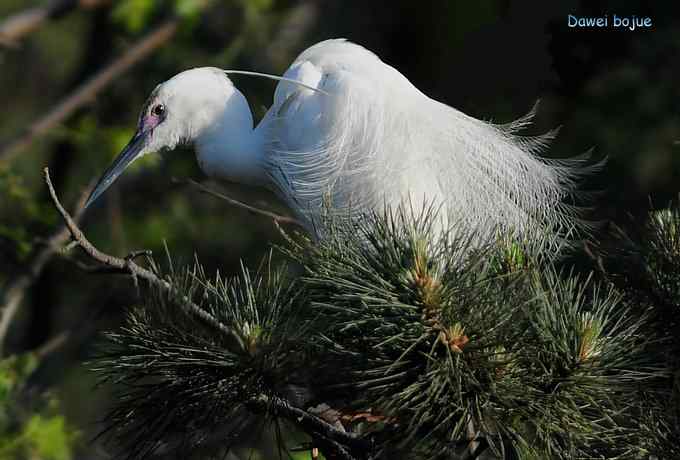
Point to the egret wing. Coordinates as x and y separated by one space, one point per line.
326 147
370 138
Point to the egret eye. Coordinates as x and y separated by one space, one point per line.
158 110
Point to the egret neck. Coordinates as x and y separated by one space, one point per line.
230 148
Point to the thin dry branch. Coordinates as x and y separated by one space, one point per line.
128 267
277 218
18 25
53 345
16 288
89 90
336 443
290 36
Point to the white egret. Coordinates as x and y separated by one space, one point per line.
348 132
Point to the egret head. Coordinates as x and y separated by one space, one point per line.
179 111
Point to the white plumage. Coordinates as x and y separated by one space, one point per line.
349 133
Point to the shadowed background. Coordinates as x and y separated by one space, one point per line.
612 90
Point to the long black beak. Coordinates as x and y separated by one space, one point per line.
131 152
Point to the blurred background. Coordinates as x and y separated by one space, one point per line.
74 74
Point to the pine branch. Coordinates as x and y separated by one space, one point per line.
644 262
472 351
170 369
341 444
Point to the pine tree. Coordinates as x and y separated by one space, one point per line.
394 342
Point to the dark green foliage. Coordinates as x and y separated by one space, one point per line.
581 369
645 263
185 384
425 346
429 347
35 430
446 342
24 215
414 327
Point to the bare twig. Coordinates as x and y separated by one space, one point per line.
472 438
291 33
476 442
277 218
597 259
52 345
89 90
16 288
128 267
342 444
18 25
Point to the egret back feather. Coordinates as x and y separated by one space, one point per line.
373 139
